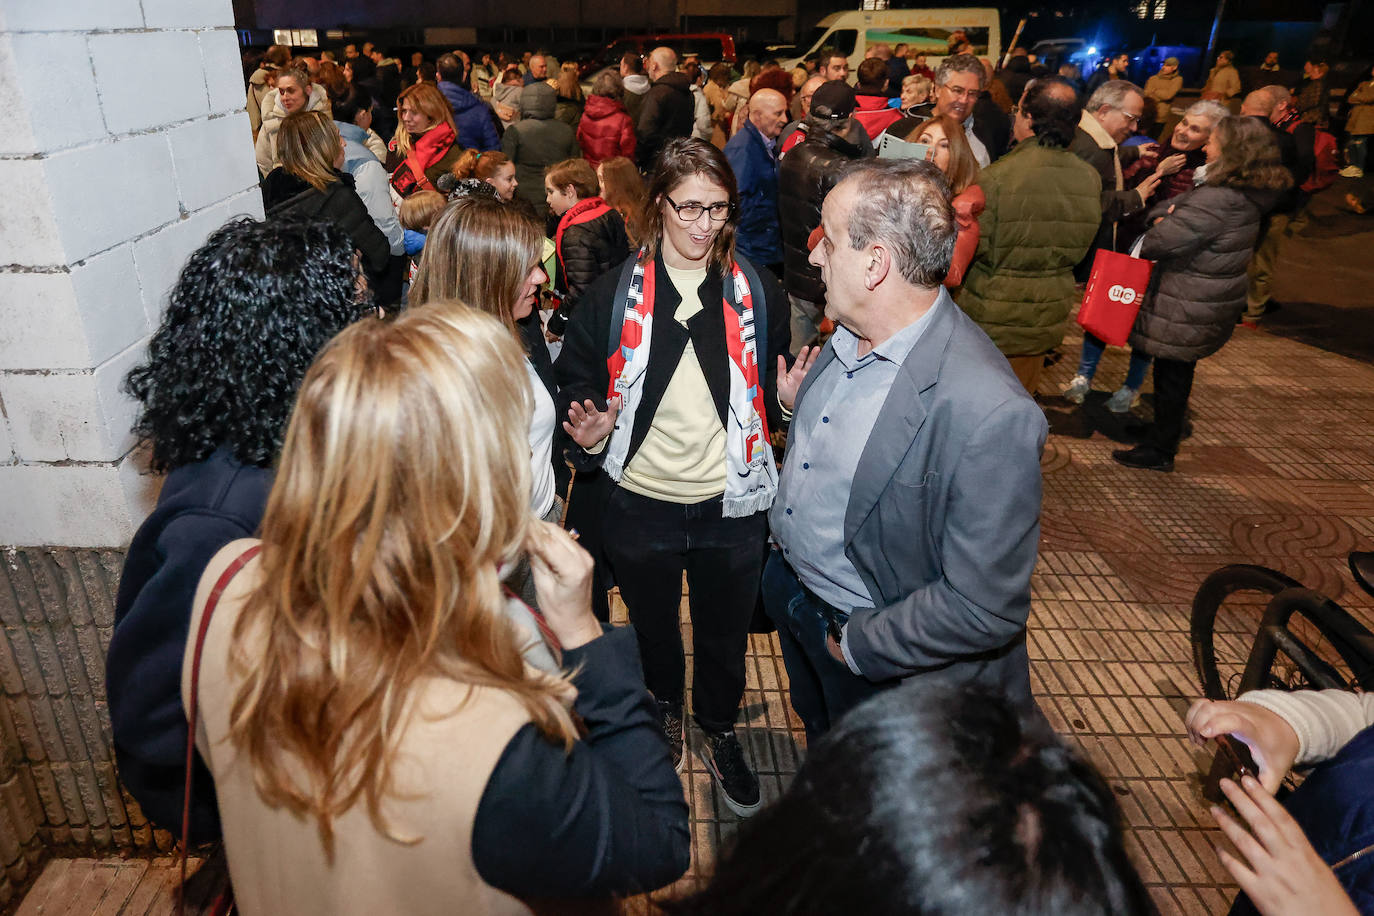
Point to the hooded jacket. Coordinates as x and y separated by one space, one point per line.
508 94
668 112
606 131
808 173
537 141
473 117
637 86
265 148
370 181
257 91
873 113
1201 251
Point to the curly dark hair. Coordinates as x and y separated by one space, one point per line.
1249 157
245 319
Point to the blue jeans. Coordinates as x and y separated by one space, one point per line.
1336 812
1357 150
1093 349
822 688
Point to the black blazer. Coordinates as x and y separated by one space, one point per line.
581 367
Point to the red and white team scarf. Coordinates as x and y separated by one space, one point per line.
751 479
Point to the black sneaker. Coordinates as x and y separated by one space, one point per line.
724 757
670 718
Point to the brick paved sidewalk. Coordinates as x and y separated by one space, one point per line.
1280 472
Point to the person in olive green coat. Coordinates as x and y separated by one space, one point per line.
1043 210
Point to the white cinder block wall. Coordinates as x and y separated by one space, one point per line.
125 145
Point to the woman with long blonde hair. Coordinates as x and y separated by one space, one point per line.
388 731
481 251
426 139
310 184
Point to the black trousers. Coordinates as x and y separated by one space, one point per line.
649 544
1173 385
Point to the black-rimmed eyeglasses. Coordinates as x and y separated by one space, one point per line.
691 211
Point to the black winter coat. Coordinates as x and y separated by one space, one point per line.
1201 251
667 113
202 507
588 250
283 194
807 174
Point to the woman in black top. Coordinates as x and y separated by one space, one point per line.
310 184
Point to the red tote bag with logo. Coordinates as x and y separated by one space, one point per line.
1115 289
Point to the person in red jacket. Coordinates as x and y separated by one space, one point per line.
871 98
951 154
606 130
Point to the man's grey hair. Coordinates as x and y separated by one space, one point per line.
1212 111
960 63
905 204
1112 94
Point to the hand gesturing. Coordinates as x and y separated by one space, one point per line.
587 425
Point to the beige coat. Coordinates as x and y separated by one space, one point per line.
265 147
1361 119
449 747
1160 90
1224 80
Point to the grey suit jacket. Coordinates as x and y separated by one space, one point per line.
943 523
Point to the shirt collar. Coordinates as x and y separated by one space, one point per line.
895 349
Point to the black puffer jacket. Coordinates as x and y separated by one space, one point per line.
1201 251
667 112
808 173
586 251
283 194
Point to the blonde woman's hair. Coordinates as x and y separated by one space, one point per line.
398 495
480 250
308 144
427 98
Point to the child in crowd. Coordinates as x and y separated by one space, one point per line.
418 213
591 233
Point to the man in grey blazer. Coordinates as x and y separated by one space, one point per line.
908 515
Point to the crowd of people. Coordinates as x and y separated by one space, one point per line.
499 346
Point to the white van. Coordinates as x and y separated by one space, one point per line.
928 31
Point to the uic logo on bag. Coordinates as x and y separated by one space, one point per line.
1123 294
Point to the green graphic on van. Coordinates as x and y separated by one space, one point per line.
929 40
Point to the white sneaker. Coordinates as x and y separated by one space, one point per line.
1076 390
1123 400
1352 171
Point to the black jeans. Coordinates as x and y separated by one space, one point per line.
822 687
1173 385
649 544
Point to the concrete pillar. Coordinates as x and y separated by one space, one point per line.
125 145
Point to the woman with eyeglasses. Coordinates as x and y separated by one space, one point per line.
668 378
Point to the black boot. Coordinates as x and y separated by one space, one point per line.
1144 457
